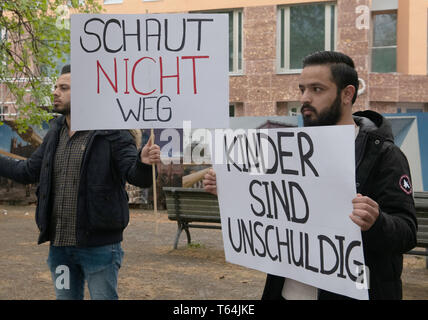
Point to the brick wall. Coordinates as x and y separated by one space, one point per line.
260 89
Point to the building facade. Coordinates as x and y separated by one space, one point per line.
268 39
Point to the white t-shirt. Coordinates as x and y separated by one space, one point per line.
295 290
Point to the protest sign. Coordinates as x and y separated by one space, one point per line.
285 197
149 71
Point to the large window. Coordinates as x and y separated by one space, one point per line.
384 47
302 30
235 39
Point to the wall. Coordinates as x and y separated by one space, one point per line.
412 37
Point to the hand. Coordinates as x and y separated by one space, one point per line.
365 213
210 182
150 153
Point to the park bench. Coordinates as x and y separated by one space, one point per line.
191 208
190 205
421 204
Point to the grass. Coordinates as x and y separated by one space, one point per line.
195 245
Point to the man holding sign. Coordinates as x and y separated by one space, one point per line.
383 208
82 204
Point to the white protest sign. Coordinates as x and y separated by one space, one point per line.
285 197
149 71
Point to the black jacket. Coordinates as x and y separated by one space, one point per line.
110 159
380 167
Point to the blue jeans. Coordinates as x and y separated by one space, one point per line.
99 266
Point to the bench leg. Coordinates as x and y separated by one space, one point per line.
177 236
180 228
426 258
186 228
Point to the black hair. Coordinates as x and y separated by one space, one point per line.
342 68
66 69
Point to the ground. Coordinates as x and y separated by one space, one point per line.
151 269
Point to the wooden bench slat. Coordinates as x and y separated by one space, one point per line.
421 204
184 207
195 219
423 229
195 214
193 203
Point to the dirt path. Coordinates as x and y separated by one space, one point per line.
151 268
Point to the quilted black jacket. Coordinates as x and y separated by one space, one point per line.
110 159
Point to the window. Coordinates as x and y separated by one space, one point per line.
112 1
410 110
384 47
288 108
411 107
294 108
231 110
4 110
3 39
235 39
302 30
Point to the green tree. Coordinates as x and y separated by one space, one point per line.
34 39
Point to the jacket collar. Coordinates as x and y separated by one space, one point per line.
57 123
374 123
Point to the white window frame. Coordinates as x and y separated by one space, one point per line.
2 113
3 37
373 14
293 105
327 41
3 34
236 27
236 71
112 1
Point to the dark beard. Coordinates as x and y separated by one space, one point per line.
64 111
327 117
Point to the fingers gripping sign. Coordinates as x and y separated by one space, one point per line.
210 182
365 212
150 153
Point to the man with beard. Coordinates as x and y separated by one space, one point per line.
82 204
384 207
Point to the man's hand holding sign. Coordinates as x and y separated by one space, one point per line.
150 154
365 212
